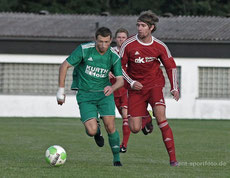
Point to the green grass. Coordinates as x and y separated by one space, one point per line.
202 146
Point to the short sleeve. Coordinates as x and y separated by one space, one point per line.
116 69
75 57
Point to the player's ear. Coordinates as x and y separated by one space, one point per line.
152 27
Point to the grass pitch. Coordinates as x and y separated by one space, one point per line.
202 147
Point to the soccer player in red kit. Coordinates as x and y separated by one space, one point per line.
121 97
142 55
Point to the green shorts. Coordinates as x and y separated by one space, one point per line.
93 103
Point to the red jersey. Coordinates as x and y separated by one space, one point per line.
141 62
121 91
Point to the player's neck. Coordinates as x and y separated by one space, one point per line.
147 39
101 52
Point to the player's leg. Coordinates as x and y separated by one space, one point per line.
136 110
106 108
125 130
91 127
147 126
167 134
89 115
158 105
123 105
114 138
135 124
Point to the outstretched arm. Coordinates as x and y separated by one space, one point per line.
61 82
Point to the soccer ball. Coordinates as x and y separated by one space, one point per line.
55 155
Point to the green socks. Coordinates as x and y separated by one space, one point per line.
114 142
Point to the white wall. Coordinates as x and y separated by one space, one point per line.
189 106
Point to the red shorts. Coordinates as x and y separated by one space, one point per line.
138 101
121 102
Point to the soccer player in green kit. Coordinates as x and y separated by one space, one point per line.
92 63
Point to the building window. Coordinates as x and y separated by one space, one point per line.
31 79
42 79
214 82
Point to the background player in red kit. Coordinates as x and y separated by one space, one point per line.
120 95
142 55
121 98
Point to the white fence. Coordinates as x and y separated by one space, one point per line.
192 103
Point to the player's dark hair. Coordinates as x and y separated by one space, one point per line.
121 30
149 18
104 32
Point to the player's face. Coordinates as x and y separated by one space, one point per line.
144 30
120 38
103 43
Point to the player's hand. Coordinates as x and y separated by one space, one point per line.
61 96
136 85
176 94
111 75
108 90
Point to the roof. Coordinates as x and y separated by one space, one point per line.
78 27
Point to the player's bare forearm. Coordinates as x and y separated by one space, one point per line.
118 84
62 73
108 90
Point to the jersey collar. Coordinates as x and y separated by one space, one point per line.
145 44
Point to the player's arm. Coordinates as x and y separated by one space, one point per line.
116 70
171 70
108 90
61 82
124 61
133 83
172 75
118 84
73 60
111 75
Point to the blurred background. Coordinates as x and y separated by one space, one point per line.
119 7
37 35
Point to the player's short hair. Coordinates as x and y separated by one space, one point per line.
104 32
149 18
121 30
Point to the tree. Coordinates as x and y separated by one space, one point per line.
120 7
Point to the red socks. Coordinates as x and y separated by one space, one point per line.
126 132
168 139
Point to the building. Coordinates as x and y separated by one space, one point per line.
32 46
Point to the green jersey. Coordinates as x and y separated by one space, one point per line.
91 68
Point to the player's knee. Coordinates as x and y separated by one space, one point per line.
124 116
91 131
124 113
135 129
135 124
110 128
